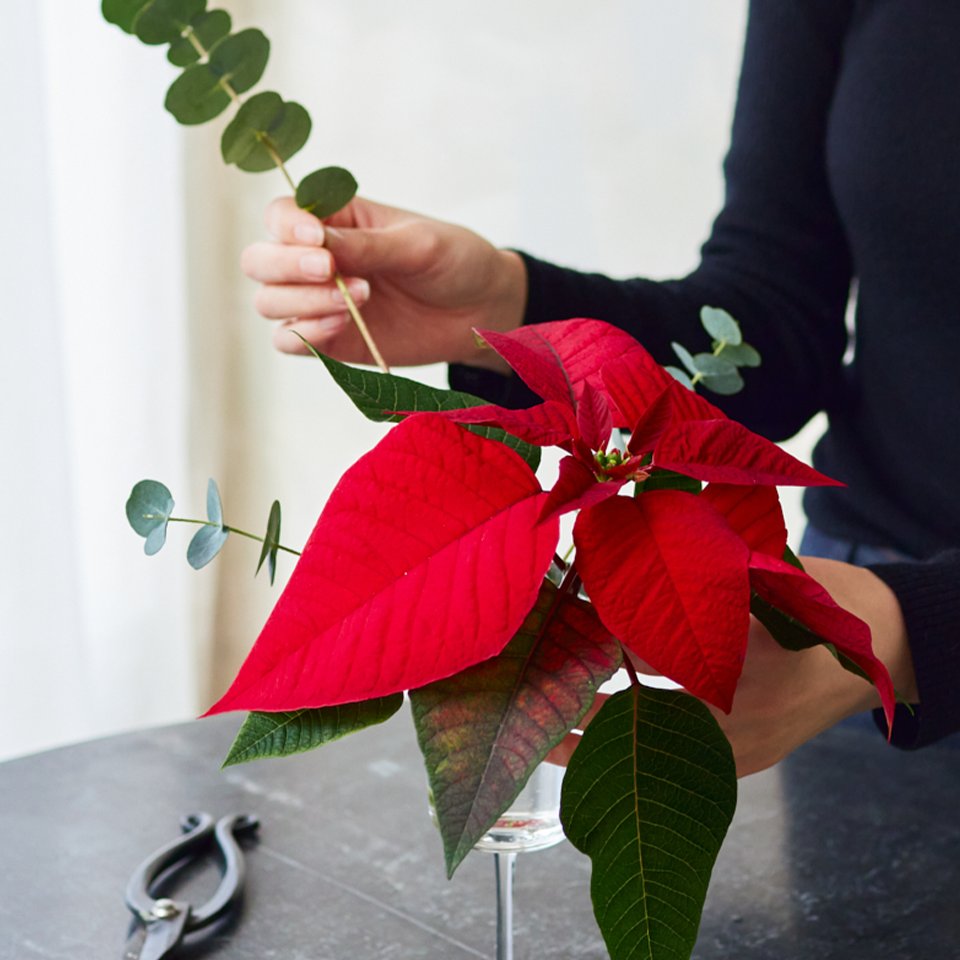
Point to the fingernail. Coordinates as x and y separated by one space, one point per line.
311 233
359 291
315 265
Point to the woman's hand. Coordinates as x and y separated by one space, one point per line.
422 285
785 697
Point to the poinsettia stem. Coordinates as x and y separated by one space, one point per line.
278 161
236 530
631 671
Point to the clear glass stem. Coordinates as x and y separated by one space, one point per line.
505 866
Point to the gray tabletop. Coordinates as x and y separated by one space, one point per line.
849 850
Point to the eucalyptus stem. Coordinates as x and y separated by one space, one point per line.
352 308
236 530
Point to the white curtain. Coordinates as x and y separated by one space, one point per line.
591 135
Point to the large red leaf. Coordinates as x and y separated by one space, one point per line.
544 425
754 513
483 730
535 360
635 381
426 559
725 451
594 419
668 577
798 595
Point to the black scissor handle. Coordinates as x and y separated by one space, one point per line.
200 830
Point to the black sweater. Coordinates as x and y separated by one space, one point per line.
842 174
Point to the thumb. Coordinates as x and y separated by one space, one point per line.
366 251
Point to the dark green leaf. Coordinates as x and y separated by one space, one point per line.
326 191
680 376
164 21
483 731
236 63
743 355
792 558
271 542
685 358
670 480
207 29
148 510
648 796
265 128
282 734
123 13
720 325
791 634
379 395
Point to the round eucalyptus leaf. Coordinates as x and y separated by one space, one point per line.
207 29
326 191
265 128
680 376
724 384
710 365
201 92
743 355
123 13
720 325
214 505
205 545
685 358
149 507
164 21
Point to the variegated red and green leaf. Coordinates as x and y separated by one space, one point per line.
426 560
484 730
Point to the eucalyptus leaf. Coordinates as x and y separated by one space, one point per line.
149 507
326 191
271 542
719 374
720 325
724 384
205 545
207 30
123 13
680 376
264 129
685 357
648 796
164 21
378 396
202 91
214 504
282 734
484 730
743 355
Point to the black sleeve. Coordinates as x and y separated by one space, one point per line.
929 595
777 258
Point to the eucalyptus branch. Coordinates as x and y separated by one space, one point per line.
229 529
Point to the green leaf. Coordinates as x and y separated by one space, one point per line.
208 540
379 395
207 29
236 63
282 734
123 13
720 325
326 191
265 128
680 376
648 796
792 558
685 358
724 384
271 542
149 507
670 480
164 21
484 730
742 355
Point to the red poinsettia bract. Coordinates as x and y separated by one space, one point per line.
431 550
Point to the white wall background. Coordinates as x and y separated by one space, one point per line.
588 135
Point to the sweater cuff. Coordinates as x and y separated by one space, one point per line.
929 596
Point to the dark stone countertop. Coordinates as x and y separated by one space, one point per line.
848 851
